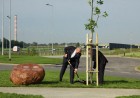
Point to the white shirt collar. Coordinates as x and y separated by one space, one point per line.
73 54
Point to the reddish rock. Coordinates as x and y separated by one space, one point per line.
27 74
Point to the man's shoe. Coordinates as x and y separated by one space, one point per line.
72 82
60 80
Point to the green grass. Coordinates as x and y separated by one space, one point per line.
30 59
138 67
13 95
133 54
51 79
133 96
128 52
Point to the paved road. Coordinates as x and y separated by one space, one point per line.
124 67
71 92
117 66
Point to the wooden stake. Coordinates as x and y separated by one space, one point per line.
87 59
97 82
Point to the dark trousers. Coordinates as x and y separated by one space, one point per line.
63 69
101 69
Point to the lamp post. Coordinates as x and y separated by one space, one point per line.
52 7
2 26
49 4
9 17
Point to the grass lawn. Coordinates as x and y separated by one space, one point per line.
133 96
13 95
51 79
138 67
133 54
19 59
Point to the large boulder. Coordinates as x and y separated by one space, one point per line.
27 74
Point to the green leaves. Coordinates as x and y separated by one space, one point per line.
97 10
91 25
96 13
100 2
105 14
89 2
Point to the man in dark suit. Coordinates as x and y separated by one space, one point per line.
102 60
73 54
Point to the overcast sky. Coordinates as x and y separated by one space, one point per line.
64 21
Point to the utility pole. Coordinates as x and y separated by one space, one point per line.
2 39
52 16
9 17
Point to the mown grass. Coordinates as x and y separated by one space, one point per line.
13 95
138 67
133 54
122 52
133 96
51 79
19 59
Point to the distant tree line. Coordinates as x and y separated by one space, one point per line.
22 44
13 43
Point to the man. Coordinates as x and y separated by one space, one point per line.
102 60
72 54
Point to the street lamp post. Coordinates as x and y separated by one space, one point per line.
52 42
9 17
2 27
49 4
10 35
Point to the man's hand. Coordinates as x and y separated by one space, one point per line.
65 55
75 70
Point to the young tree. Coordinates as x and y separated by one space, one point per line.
93 22
95 15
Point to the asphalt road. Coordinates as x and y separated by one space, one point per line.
117 66
124 67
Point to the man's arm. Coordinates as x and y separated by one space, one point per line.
66 50
77 62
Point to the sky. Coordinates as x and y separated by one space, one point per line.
64 21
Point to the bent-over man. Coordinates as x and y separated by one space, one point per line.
72 54
102 60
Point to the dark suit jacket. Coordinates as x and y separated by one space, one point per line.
102 60
69 50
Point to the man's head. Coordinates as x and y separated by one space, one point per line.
78 50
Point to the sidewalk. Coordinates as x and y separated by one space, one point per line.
71 92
